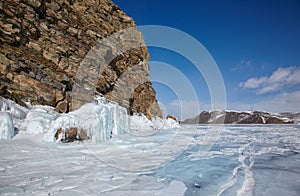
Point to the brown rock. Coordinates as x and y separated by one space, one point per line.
172 117
44 43
62 106
70 135
274 120
34 46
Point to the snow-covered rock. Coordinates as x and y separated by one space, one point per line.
7 129
14 109
98 121
70 135
140 123
171 123
38 121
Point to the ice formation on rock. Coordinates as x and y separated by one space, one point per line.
100 121
6 126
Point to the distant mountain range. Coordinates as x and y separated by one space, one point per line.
237 117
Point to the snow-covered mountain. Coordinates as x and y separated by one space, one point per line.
248 117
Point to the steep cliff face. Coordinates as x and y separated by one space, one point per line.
44 49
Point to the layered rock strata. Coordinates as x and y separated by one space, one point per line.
61 52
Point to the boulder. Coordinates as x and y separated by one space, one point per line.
70 135
172 117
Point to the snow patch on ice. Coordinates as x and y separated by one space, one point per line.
176 188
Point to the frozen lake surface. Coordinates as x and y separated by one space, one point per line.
243 160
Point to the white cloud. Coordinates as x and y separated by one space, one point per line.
284 102
242 64
279 79
253 83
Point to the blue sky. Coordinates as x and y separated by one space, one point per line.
256 45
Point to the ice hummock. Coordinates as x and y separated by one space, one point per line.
95 119
100 120
140 123
14 109
7 130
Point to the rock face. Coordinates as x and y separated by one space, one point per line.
46 43
234 117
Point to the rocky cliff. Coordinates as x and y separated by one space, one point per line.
236 117
61 52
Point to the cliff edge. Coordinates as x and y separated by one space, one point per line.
45 43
